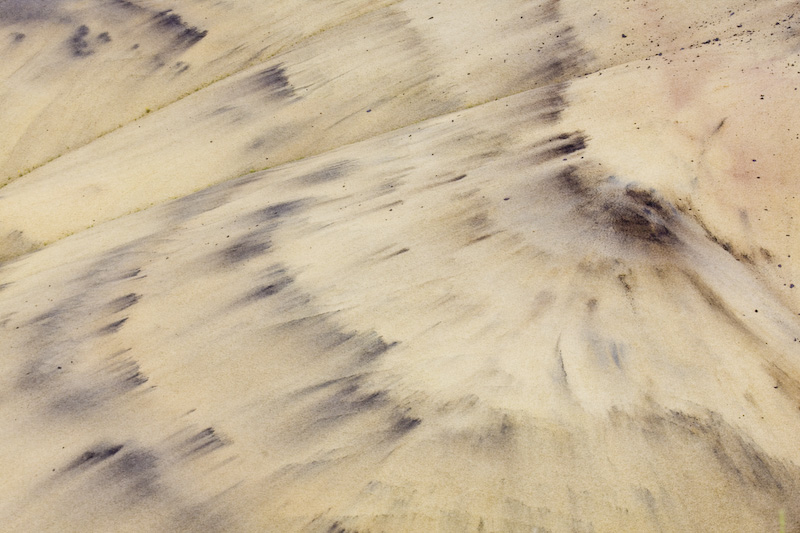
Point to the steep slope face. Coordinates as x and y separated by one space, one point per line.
539 313
73 71
374 73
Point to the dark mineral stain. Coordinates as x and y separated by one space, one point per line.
561 371
633 216
555 69
275 81
375 347
18 37
480 238
345 398
104 37
559 146
248 247
184 34
129 374
271 289
457 178
126 4
112 327
136 471
648 200
123 302
478 220
131 273
205 441
404 424
200 202
575 144
637 222
399 252
615 354
337 527
78 43
569 180
169 19
323 385
551 107
276 211
94 456
325 175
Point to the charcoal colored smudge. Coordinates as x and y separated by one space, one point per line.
343 400
271 289
375 347
327 174
136 471
199 202
78 43
636 224
126 4
131 273
205 441
569 180
323 385
615 354
123 302
274 81
648 200
128 373
113 327
184 34
276 211
338 527
550 108
634 215
94 456
248 247
575 144
169 19
479 239
404 425
478 220
623 280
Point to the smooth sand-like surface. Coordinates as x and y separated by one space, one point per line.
399 266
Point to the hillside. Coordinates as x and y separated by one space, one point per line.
399 266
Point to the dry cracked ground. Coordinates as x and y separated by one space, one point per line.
400 265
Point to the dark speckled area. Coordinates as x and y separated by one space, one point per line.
380 266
